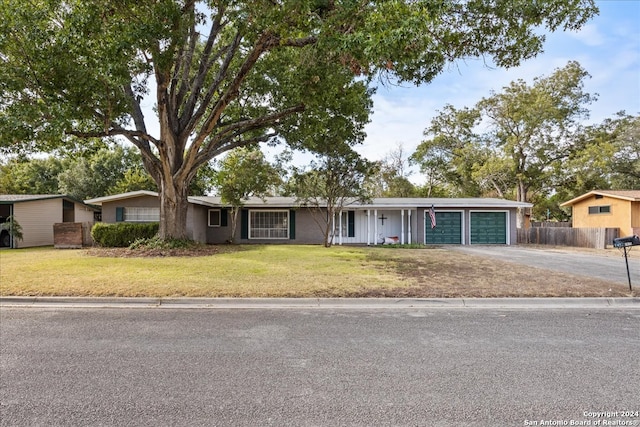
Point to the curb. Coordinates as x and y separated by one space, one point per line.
320 303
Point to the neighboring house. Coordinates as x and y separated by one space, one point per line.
281 219
607 209
37 213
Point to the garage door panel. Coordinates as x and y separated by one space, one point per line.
488 228
448 229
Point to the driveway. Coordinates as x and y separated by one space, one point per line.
607 265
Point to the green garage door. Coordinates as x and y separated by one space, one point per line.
488 228
448 229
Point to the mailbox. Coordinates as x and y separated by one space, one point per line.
622 242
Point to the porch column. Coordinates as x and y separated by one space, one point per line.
424 227
402 226
333 229
375 227
368 227
409 226
340 229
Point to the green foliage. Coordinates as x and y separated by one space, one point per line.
243 173
122 234
94 172
13 227
330 184
133 180
392 177
527 133
36 176
100 174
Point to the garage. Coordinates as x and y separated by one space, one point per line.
448 229
488 228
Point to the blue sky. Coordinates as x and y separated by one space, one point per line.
608 47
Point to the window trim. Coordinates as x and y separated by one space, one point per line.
251 229
219 224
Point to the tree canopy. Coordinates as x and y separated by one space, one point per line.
330 183
511 142
221 74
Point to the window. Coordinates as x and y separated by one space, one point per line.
594 210
268 224
68 211
141 214
214 218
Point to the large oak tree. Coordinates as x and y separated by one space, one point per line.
218 74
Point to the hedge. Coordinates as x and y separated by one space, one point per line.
122 234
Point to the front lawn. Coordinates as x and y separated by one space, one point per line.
284 271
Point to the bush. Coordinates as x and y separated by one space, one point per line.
122 234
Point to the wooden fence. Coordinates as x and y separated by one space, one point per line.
597 238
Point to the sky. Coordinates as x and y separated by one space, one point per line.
607 47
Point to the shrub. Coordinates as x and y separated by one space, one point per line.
122 234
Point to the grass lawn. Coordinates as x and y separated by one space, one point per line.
284 271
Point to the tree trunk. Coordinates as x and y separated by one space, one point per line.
173 210
235 210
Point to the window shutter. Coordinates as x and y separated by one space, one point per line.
351 224
223 217
119 214
244 224
292 224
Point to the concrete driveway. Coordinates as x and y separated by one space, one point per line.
606 264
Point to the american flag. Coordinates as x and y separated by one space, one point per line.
432 215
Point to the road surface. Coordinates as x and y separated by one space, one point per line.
319 367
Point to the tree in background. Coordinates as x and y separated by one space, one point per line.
226 74
102 173
608 157
31 176
392 179
330 184
511 142
449 156
241 174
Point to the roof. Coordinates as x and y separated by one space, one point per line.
251 202
10 199
377 203
121 196
630 195
469 202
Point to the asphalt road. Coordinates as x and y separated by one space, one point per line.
607 265
318 367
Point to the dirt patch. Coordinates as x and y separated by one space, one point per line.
204 250
438 273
